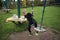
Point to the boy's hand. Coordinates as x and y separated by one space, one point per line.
32 10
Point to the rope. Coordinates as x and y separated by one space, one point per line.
32 7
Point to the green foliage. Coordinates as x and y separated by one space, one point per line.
37 2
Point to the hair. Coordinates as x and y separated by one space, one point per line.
24 11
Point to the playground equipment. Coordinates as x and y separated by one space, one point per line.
41 28
7 6
19 17
18 3
32 2
15 18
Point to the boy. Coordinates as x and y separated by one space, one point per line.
31 21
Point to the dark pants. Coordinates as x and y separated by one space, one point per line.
30 23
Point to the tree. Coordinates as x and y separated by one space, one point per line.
0 4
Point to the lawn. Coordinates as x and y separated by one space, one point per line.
51 19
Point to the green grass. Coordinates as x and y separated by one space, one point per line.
51 19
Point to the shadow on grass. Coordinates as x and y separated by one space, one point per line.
17 23
21 26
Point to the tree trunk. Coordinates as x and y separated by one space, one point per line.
0 4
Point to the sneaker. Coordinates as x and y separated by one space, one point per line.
30 35
36 34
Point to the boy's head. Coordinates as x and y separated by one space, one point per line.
24 12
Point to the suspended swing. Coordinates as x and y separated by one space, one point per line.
32 1
40 28
15 17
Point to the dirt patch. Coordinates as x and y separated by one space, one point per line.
48 35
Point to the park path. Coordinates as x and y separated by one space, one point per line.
48 35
